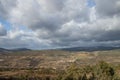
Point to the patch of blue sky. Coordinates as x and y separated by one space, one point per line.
5 24
8 26
90 3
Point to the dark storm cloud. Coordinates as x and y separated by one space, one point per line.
111 35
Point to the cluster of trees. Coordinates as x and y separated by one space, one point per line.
100 71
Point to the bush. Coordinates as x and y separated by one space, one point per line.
100 71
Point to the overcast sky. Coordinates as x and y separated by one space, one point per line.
43 24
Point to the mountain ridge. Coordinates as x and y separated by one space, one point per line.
12 50
96 48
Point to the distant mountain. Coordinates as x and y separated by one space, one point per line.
12 50
21 49
4 50
97 48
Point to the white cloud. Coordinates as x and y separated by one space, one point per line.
54 23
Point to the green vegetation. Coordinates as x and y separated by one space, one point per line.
99 71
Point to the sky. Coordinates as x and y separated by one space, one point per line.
47 24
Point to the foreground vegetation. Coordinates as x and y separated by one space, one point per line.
99 71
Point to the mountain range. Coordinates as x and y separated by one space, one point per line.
97 48
12 50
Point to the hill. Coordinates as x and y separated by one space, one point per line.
96 48
12 50
52 58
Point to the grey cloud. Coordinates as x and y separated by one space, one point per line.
5 7
75 32
62 23
52 5
3 31
111 35
108 7
37 16
76 10
34 16
21 39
